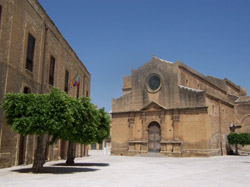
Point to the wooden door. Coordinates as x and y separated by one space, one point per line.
154 137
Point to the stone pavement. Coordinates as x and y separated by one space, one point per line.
117 171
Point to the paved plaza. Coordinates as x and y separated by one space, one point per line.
120 171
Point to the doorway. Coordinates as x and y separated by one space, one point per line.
154 137
22 139
62 149
21 158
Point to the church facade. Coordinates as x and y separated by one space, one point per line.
171 109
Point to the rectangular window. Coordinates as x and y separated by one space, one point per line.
66 85
0 15
30 52
51 71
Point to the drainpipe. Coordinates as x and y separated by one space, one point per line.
41 139
220 130
44 55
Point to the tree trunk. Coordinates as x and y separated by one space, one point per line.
39 159
236 149
71 154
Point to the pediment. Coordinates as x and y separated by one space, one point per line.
153 106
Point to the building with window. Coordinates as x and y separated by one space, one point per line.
34 57
171 109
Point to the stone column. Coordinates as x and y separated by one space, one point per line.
162 120
176 119
131 128
144 128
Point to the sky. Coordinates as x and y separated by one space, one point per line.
111 37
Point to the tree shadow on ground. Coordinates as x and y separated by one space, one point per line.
242 155
83 164
57 170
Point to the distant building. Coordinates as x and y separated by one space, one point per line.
34 57
174 110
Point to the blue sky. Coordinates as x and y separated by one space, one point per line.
111 37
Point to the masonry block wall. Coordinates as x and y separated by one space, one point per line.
172 109
34 58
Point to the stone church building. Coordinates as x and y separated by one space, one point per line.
174 110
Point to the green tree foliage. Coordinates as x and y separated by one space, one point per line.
38 114
233 138
242 138
59 114
103 126
239 139
90 125
83 129
55 114
43 115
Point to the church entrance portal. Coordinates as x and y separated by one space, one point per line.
154 137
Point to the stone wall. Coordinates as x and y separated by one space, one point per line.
221 117
140 96
18 20
185 135
242 114
194 112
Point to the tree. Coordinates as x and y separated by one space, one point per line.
55 114
242 139
90 125
43 115
84 126
233 139
103 125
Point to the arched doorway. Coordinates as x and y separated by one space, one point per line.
154 137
